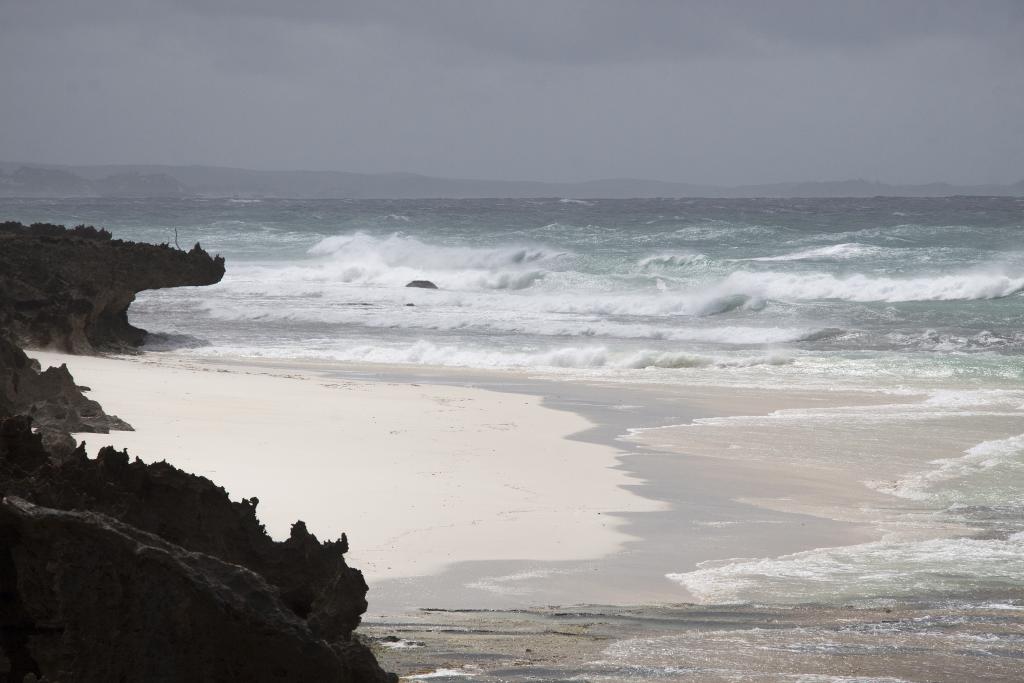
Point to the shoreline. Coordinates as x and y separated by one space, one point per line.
660 512
447 474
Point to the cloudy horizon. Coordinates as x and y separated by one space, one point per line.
727 93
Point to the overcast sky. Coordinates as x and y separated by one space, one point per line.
703 92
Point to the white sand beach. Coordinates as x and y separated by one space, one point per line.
419 476
470 490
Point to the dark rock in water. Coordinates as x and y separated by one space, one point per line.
118 570
69 289
50 398
422 284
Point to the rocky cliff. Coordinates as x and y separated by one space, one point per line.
70 289
112 569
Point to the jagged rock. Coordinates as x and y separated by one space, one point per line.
69 289
190 511
98 600
92 589
50 398
422 284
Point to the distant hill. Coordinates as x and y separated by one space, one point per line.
39 180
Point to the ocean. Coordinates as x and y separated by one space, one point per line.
880 291
918 299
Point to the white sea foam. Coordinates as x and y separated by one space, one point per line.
446 311
399 644
935 483
425 352
968 285
443 673
668 359
518 583
473 289
835 252
674 296
535 289
869 570
933 340
672 260
397 249
938 404
976 398
395 260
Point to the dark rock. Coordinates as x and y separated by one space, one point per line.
70 289
98 600
159 576
50 398
422 284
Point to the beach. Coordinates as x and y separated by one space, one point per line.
494 490
445 474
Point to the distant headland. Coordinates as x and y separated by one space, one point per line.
154 181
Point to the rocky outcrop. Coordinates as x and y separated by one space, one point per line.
70 289
124 605
113 569
51 398
117 570
422 284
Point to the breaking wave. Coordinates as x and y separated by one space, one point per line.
395 260
425 352
969 285
397 249
836 252
881 569
986 458
660 261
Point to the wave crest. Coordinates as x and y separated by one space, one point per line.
661 261
424 352
862 288
397 259
833 252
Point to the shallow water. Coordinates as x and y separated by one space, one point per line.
897 643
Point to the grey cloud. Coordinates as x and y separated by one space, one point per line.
722 92
582 30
